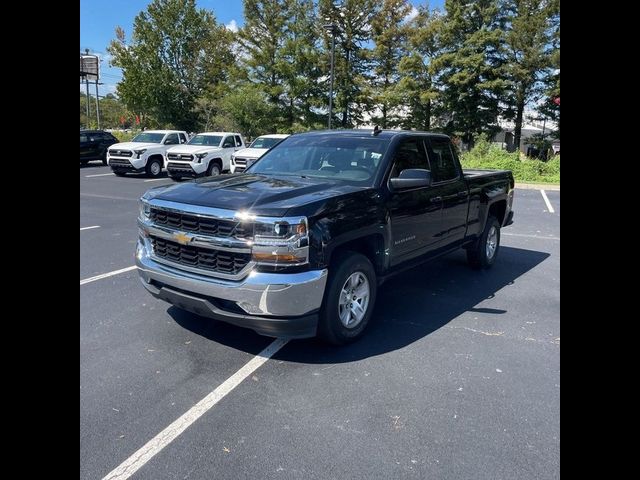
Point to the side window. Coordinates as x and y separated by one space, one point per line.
238 141
443 164
228 142
172 139
183 138
410 154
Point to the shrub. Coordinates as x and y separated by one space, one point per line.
485 155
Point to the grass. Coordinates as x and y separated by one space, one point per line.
525 170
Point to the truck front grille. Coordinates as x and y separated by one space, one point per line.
193 223
197 257
180 157
121 153
240 161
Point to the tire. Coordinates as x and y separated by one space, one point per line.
481 255
153 168
84 162
339 324
104 160
213 170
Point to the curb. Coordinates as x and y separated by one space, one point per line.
538 186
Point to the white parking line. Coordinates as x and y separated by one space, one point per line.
156 179
89 228
101 175
546 200
105 275
165 437
530 236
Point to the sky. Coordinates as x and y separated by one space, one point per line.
99 19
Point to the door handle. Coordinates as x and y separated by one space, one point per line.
435 199
463 194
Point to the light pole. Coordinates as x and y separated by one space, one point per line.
332 28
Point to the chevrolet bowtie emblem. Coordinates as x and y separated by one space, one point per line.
182 238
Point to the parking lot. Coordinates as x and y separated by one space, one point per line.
457 377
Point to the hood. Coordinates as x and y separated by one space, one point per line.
193 149
251 152
259 194
133 145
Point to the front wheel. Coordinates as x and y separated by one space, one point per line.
213 170
153 168
484 252
349 299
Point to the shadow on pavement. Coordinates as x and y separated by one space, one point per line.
409 307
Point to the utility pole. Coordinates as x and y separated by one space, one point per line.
97 105
331 27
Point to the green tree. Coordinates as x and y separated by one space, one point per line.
176 52
352 66
416 89
469 67
528 52
550 106
389 35
245 109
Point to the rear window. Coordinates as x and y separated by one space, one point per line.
443 164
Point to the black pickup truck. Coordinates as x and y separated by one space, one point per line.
298 245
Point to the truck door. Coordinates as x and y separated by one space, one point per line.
448 178
415 213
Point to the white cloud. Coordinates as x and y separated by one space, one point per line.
232 25
412 14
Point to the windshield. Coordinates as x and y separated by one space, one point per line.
349 158
211 140
148 137
262 142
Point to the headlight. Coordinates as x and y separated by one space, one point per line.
200 156
144 210
281 241
140 152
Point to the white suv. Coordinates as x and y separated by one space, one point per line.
243 159
144 153
206 154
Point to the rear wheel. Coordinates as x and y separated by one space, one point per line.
349 300
484 252
153 168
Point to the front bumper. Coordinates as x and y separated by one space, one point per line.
127 164
185 169
272 304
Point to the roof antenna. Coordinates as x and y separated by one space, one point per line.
376 130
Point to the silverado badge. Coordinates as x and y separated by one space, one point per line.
182 238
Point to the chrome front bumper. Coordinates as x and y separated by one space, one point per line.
263 297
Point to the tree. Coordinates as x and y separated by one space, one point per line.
353 21
528 52
389 35
550 106
416 89
176 52
469 67
245 109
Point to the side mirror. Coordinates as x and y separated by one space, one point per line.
411 178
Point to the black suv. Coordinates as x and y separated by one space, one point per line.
94 145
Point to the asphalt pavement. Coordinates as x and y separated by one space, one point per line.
457 377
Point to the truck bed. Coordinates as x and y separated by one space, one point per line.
474 173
